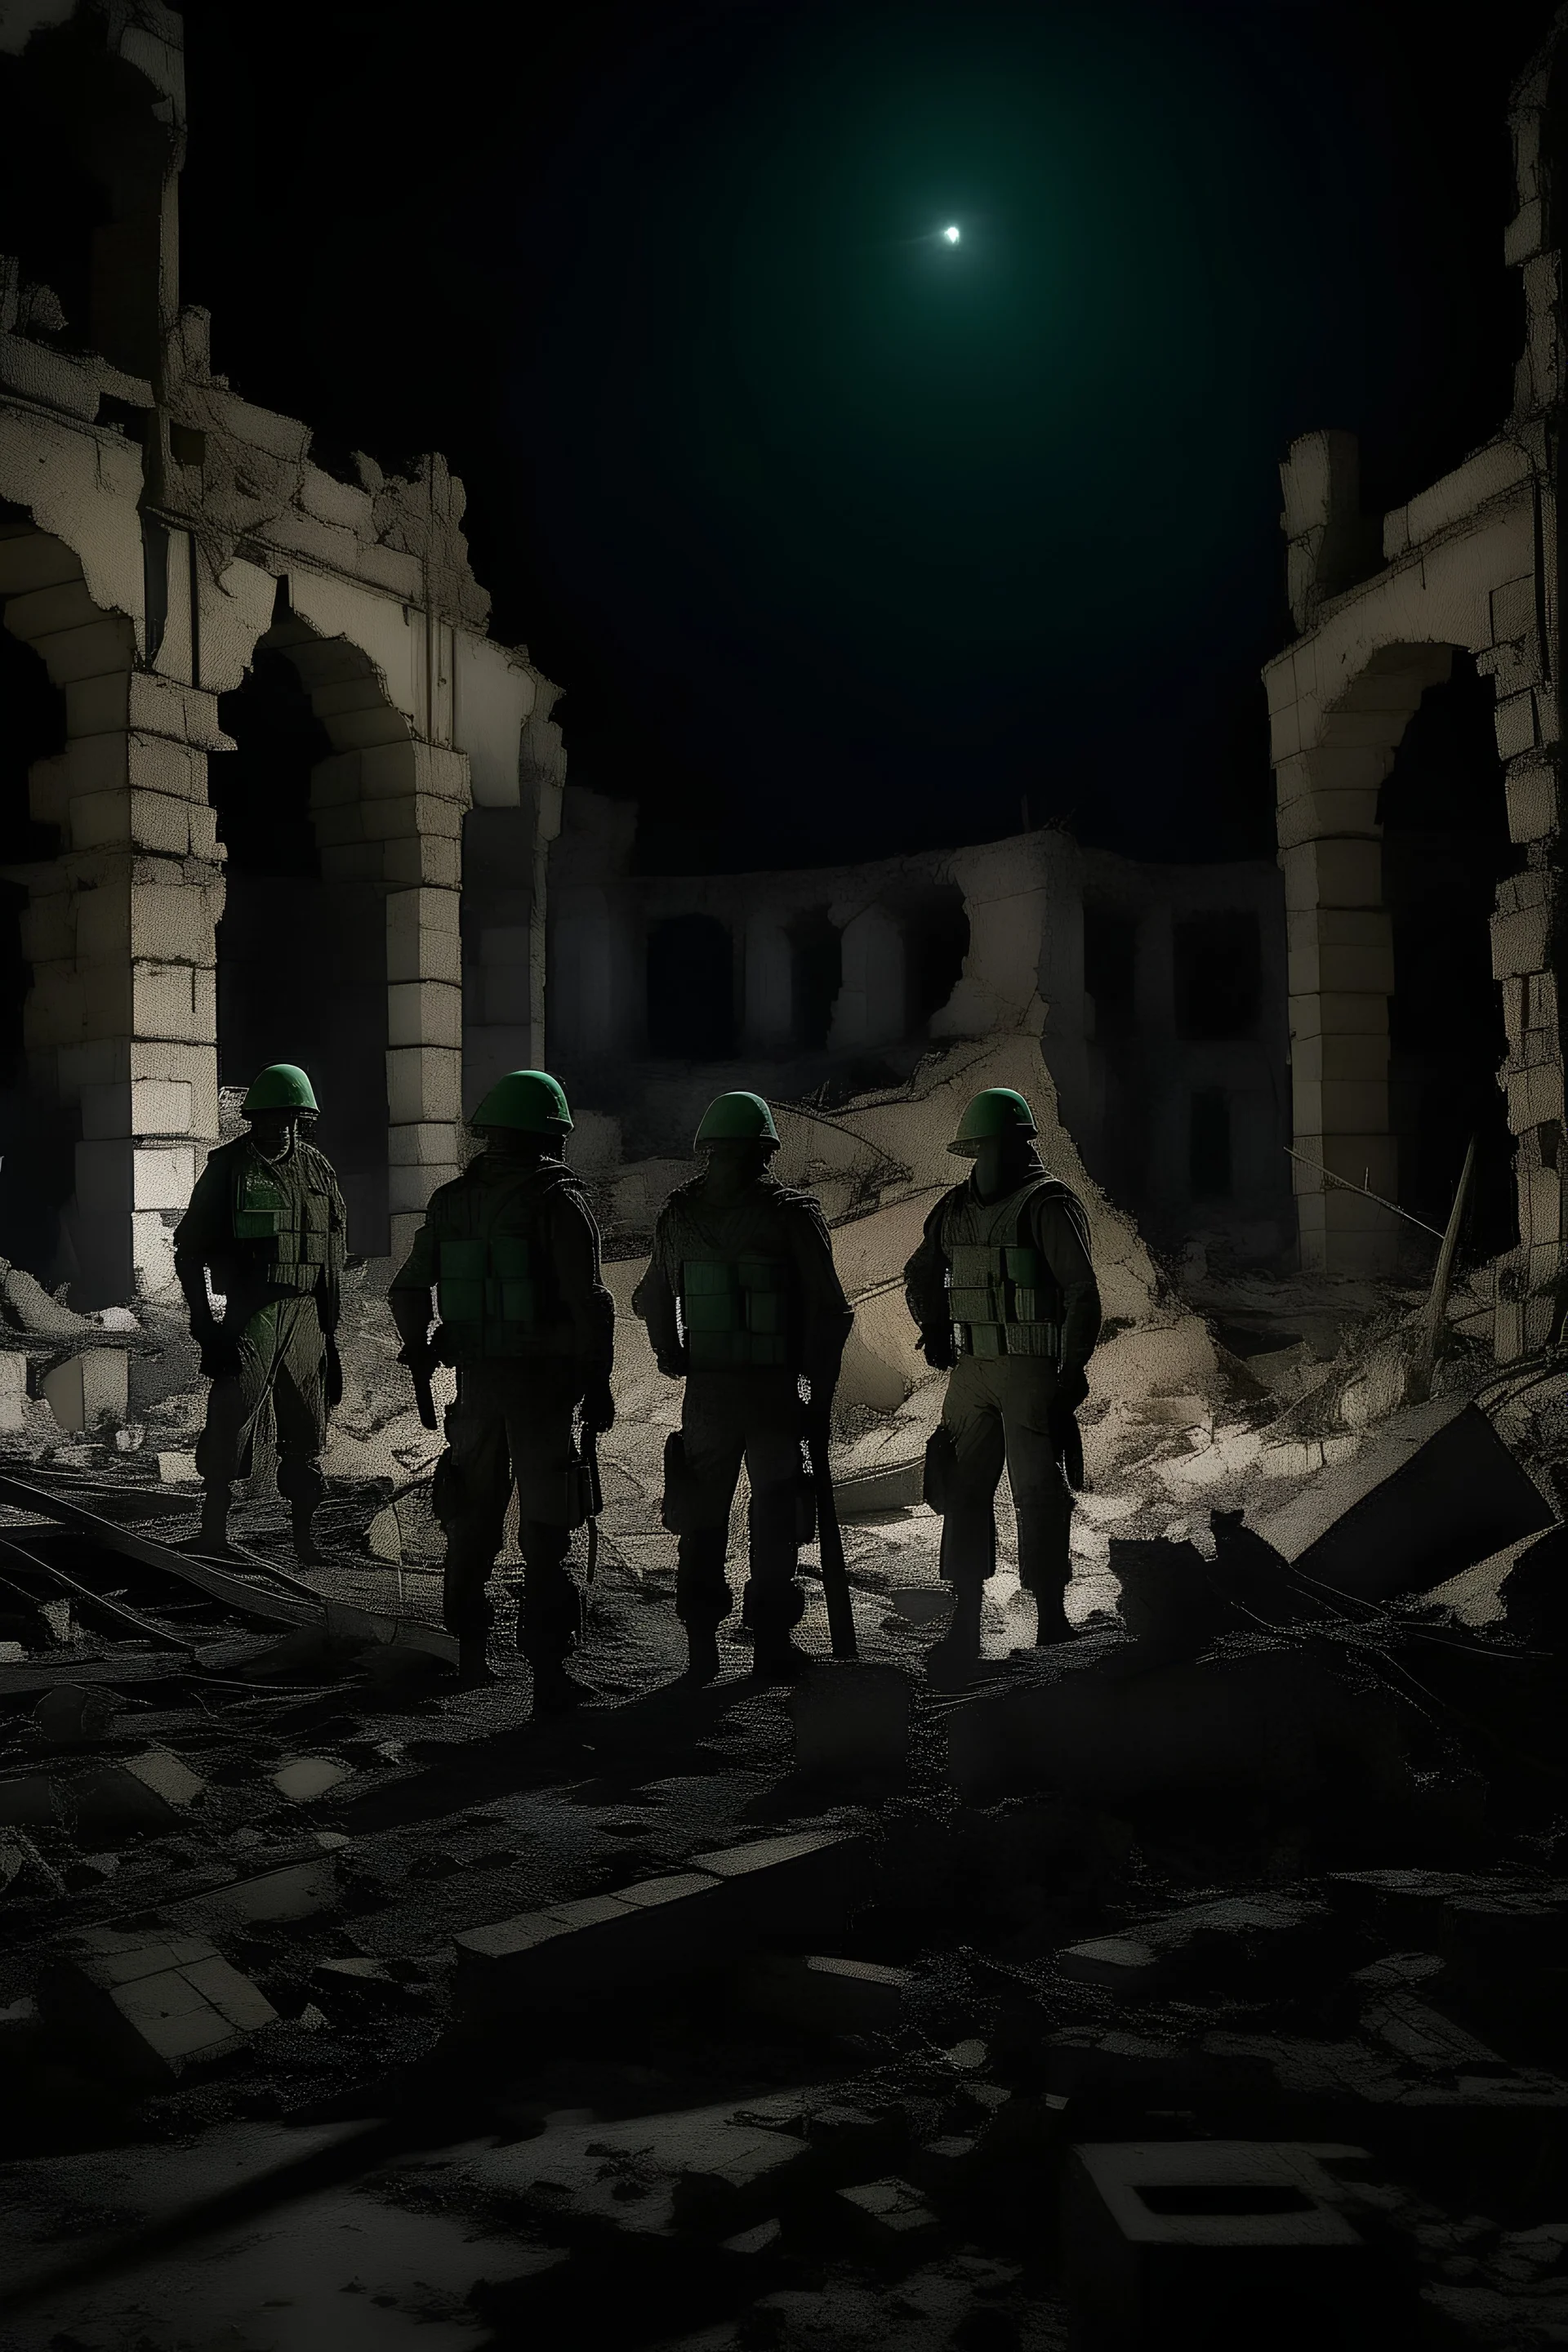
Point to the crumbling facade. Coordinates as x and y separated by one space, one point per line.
1156 993
162 542
1393 614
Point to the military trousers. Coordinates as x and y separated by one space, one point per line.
727 1419
282 1359
511 1425
999 1414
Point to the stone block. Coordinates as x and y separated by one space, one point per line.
163 1176
168 1776
151 1253
807 1880
424 1085
1515 723
888 2217
151 2009
88 1389
1340 970
426 1146
1339 1106
1355 1058
1428 1495
672 1927
412 911
1534 1095
305 1777
422 954
817 1994
1169 2240
424 1012
423 861
172 1001
1330 1013
36 560
851 1721
89 650
44 612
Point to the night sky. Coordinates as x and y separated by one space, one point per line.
843 540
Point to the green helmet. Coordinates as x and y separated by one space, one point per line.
995 1111
531 1100
737 1118
281 1085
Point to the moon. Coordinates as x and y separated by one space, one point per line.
950 234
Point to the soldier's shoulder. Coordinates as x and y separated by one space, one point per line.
224 1156
801 1205
316 1163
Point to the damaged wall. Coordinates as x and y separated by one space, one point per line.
158 536
1157 994
1390 611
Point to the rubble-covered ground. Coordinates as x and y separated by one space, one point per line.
342 2005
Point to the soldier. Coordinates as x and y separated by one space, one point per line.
512 1251
267 1223
1003 1292
741 1298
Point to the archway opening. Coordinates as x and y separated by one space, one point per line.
690 989
817 947
302 973
1445 848
1217 971
38 1169
936 942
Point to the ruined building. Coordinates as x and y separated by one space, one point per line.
1156 994
253 724
1417 755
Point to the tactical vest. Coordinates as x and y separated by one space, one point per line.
734 1284
1002 1296
495 1287
282 1210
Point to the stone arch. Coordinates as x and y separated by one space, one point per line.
386 810
873 1003
120 1026
1343 972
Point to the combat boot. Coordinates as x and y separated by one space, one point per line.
212 1533
701 1655
555 1692
954 1660
307 1550
1052 1623
776 1659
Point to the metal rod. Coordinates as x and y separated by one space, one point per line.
1365 1192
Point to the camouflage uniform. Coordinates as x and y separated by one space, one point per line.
1004 1291
271 1234
742 1296
512 1251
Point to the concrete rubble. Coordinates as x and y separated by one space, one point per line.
1250 1897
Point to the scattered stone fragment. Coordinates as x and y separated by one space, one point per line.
167 1776
823 1995
887 2212
87 1389
307 1777
151 2009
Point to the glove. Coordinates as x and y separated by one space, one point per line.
672 1363
938 1350
598 1408
1072 1389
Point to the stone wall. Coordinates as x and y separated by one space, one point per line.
1380 606
155 529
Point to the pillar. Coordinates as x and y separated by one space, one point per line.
121 1019
769 1018
393 815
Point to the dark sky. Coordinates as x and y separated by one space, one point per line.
842 541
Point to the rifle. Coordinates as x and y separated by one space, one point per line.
830 1542
424 1395
594 1495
